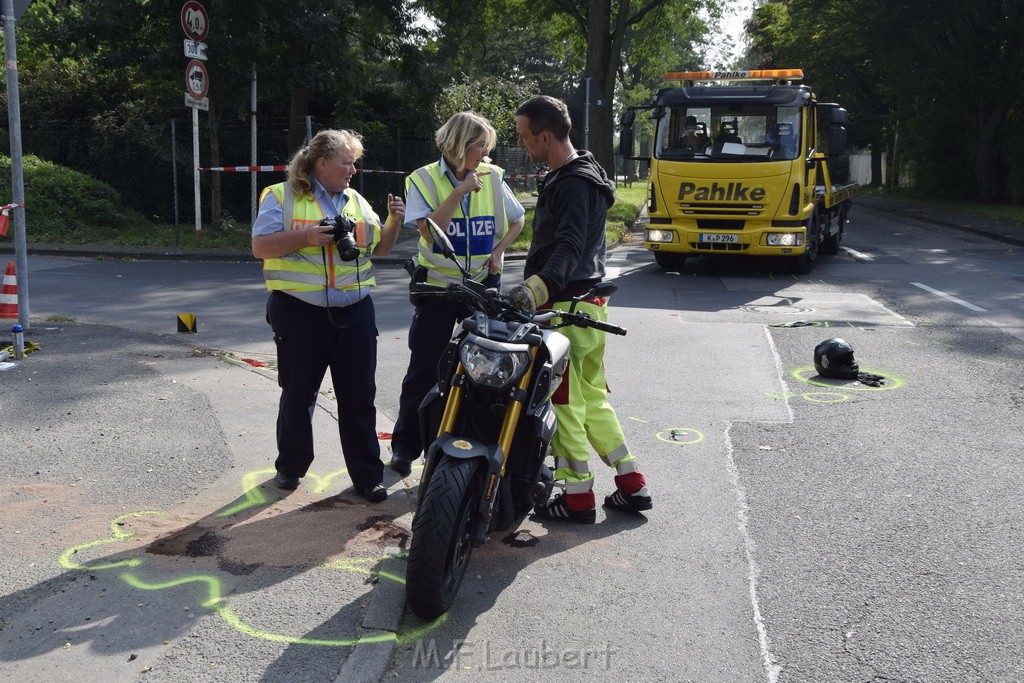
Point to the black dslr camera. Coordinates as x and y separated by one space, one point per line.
342 233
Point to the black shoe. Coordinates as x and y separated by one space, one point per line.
629 502
558 510
286 481
374 494
401 465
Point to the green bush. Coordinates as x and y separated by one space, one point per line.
62 205
621 216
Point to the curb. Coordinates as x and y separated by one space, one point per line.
372 654
1000 231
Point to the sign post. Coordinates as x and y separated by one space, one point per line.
195 22
11 11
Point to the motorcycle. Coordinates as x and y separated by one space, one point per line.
488 422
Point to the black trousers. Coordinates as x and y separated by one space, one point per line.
429 333
310 339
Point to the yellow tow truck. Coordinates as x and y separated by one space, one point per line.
736 168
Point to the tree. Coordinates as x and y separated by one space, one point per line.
490 96
842 61
119 65
319 56
561 42
965 59
948 83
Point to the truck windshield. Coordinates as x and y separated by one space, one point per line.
729 133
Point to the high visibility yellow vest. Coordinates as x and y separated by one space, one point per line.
312 269
472 236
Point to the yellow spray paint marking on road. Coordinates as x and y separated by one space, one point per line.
358 565
804 374
216 602
116 534
255 495
681 436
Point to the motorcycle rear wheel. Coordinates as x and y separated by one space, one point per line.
440 549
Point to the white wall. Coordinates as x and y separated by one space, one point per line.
860 167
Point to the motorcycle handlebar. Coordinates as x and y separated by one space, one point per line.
479 302
587 321
607 327
455 292
427 288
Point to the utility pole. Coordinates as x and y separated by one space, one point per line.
10 13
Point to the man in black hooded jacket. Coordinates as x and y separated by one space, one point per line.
566 258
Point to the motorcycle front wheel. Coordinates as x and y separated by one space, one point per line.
441 547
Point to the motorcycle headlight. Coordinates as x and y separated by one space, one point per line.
493 364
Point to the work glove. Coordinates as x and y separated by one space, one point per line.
528 295
867 379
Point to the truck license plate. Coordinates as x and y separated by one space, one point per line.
718 237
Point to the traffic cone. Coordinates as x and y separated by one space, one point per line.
9 295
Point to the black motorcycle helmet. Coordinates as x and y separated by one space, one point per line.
834 358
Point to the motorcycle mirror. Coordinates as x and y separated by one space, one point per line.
598 291
445 244
602 289
441 239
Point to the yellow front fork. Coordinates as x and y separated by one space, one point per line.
508 424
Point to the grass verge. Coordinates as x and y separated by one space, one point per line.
1005 212
621 216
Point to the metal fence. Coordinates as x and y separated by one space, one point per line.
156 177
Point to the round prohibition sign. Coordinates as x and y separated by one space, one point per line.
194 20
197 80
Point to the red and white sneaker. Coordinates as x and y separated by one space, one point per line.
569 507
631 494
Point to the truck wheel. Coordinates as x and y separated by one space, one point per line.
804 263
669 260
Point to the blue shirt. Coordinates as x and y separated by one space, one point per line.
270 219
416 206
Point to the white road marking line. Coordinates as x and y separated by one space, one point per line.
950 298
858 255
769 661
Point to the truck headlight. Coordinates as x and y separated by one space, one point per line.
785 239
494 365
660 236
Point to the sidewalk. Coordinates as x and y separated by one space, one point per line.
1002 231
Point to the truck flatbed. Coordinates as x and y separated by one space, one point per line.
838 194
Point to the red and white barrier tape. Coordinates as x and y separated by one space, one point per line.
242 169
250 169
5 217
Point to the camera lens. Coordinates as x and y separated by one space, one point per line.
347 248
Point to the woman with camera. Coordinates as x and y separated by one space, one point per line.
467 196
316 235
